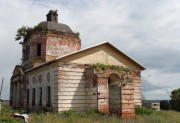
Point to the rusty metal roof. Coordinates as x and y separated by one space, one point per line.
56 26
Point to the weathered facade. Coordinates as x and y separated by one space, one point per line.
56 75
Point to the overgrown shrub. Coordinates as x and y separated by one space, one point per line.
164 105
143 111
111 67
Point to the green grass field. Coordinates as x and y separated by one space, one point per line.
91 116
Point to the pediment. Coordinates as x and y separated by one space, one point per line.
104 53
18 71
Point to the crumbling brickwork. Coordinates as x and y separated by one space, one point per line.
52 45
137 87
60 44
30 58
126 93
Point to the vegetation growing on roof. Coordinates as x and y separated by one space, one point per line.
24 32
77 34
111 67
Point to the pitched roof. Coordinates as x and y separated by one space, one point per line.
104 43
89 48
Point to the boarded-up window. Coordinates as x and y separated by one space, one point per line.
27 96
33 96
40 96
48 96
38 49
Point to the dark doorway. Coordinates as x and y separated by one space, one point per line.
114 94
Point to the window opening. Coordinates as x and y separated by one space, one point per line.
38 49
27 96
33 96
40 96
48 96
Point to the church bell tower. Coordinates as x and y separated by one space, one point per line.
55 40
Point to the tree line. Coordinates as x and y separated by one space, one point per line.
174 103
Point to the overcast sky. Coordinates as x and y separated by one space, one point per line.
146 30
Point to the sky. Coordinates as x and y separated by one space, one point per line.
146 30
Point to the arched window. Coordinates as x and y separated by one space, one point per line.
40 78
48 77
34 80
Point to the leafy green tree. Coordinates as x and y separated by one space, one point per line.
164 105
175 99
24 32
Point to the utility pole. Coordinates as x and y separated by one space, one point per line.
1 92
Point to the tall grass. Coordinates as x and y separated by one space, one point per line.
6 114
93 116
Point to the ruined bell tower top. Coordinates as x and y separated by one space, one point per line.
52 16
55 40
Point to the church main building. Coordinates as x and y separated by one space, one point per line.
57 75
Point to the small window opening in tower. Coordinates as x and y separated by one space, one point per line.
27 52
24 55
38 49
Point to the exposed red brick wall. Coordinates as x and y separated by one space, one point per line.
127 94
103 104
36 38
128 106
59 45
136 75
53 45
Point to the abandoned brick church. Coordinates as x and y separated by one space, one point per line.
57 75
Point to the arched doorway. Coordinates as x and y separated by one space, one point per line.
114 94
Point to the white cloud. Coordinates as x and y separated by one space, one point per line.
148 31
